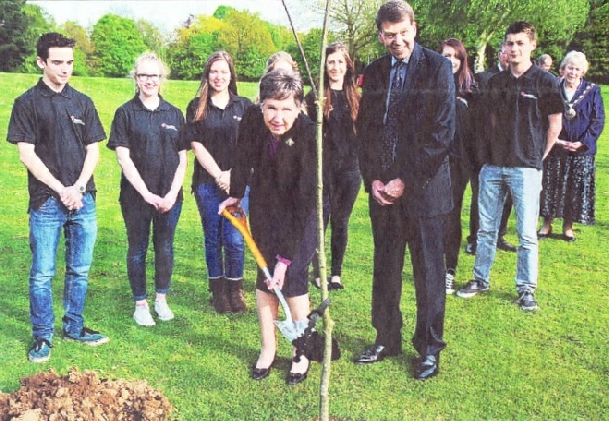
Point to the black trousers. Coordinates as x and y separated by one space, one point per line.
393 227
453 230
474 221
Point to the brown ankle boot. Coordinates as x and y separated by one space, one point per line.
219 289
236 296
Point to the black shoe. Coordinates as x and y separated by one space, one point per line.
470 248
374 354
335 285
472 288
505 246
427 368
295 378
543 236
261 373
568 238
315 281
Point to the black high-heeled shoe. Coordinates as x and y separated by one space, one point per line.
261 373
296 378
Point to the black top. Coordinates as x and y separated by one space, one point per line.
339 146
283 182
61 125
520 108
153 139
217 132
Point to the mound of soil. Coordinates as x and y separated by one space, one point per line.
82 396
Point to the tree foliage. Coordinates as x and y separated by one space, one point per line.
593 40
39 22
13 40
117 43
151 36
83 48
481 23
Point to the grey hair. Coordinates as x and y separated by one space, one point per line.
280 84
575 57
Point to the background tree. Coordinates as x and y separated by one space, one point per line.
14 45
152 36
483 22
593 40
117 43
247 39
39 22
83 49
191 46
311 43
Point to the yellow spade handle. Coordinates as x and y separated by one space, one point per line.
241 226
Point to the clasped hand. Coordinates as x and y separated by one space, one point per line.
387 194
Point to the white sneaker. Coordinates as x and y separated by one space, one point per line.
163 310
450 283
142 316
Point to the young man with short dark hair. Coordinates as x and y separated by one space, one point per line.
526 108
57 131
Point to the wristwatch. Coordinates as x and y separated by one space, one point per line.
81 188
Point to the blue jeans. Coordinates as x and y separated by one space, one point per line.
524 184
80 231
137 223
219 233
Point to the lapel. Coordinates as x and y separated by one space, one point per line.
415 70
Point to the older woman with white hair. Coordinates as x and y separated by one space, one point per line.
569 169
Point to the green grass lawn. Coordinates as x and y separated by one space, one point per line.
501 363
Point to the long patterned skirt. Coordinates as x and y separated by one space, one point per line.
569 188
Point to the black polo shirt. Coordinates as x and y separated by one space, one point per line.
217 132
60 125
154 139
521 107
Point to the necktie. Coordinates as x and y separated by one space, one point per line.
390 134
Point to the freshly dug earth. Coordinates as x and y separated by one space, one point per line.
82 396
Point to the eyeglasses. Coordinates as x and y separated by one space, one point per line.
143 77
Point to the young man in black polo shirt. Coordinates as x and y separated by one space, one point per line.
525 107
57 131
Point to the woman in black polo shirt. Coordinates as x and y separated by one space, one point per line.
213 120
146 137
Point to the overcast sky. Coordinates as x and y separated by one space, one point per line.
169 14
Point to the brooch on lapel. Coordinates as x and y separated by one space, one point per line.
289 142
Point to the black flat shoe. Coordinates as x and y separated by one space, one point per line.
543 235
427 367
336 285
261 373
568 238
296 378
314 283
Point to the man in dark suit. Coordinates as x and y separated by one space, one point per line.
482 78
405 126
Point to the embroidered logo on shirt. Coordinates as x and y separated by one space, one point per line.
525 95
168 127
77 120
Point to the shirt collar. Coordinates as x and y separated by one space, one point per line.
137 102
395 60
46 91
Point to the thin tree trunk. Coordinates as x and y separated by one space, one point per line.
324 396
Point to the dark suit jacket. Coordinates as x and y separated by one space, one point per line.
426 127
283 191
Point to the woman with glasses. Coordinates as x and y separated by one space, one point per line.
213 118
146 137
342 178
